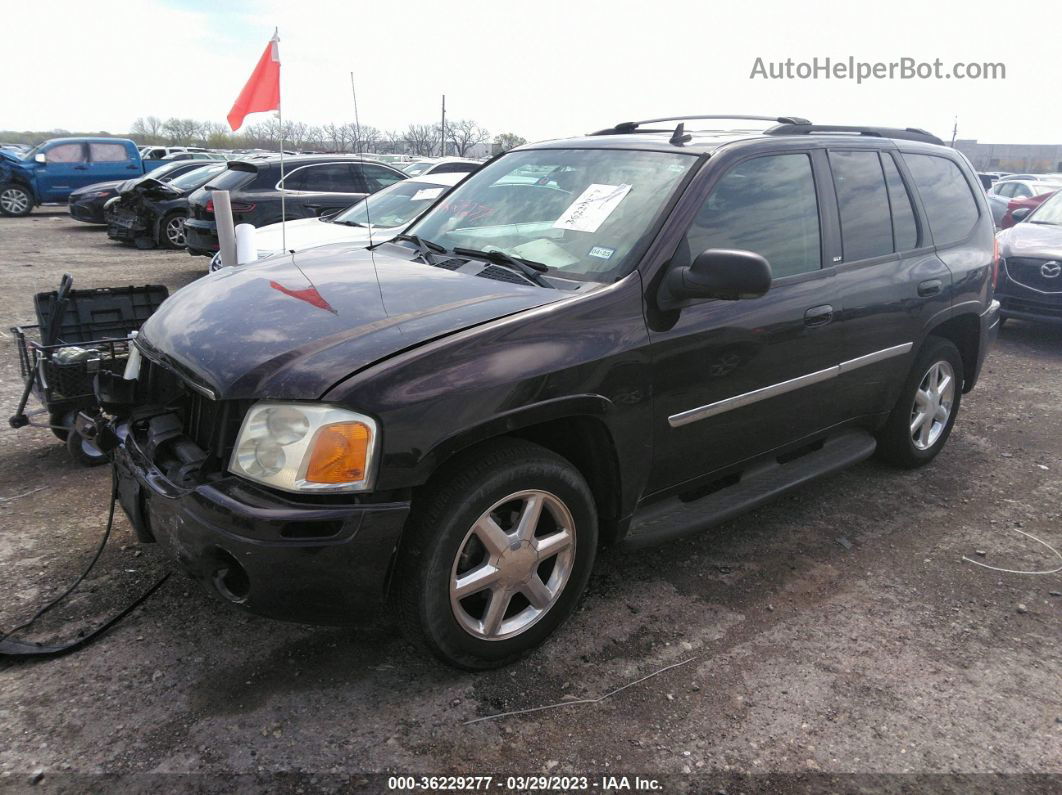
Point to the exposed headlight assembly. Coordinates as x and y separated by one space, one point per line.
306 447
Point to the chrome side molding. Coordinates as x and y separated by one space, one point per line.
782 387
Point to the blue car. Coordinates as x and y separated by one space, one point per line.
51 171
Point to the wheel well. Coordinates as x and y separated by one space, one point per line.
587 444
965 332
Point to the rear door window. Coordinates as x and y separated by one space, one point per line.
863 201
107 153
766 205
946 195
324 178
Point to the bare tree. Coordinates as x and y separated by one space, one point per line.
507 141
465 134
148 128
215 135
335 136
421 138
394 142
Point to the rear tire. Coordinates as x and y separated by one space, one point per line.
15 200
925 413
523 518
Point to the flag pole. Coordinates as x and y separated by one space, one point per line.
280 118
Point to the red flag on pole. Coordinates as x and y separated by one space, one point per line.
262 91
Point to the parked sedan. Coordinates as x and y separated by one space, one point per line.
311 186
87 204
1029 203
1030 276
152 213
377 219
1001 193
441 165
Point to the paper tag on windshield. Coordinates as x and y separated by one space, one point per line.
426 193
593 206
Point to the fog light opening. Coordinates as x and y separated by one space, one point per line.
230 578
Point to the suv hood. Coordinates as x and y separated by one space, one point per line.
292 326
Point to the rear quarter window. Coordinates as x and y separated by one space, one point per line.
946 195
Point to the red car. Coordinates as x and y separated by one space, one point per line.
1032 202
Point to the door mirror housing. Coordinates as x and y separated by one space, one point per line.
721 273
40 157
1020 214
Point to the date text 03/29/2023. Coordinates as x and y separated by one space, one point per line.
540 783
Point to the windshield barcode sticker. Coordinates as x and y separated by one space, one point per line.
594 205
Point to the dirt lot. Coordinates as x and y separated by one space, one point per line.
837 631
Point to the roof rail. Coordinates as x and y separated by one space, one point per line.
807 128
631 126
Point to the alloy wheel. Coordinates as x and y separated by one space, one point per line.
932 405
512 565
14 201
175 231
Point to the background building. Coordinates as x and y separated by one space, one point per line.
1033 158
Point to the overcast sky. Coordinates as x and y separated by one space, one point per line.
541 69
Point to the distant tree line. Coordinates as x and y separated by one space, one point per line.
462 136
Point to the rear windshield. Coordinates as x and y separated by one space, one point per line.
231 179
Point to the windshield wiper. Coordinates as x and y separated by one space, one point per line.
424 247
525 267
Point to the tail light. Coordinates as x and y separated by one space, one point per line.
237 207
995 263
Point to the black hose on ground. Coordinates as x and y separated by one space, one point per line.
11 647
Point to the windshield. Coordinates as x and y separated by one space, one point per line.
196 177
1050 212
416 168
582 212
395 205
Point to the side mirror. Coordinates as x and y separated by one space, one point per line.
721 273
40 157
1020 214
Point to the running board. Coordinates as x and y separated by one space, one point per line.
761 481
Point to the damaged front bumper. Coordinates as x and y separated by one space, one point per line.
318 563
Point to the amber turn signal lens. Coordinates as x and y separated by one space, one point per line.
340 453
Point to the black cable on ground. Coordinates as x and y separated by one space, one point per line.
16 648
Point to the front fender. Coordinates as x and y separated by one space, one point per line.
507 423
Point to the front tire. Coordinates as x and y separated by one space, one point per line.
171 231
497 554
922 420
15 201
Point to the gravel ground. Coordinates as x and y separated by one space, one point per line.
835 639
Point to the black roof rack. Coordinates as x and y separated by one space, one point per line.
807 128
630 126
